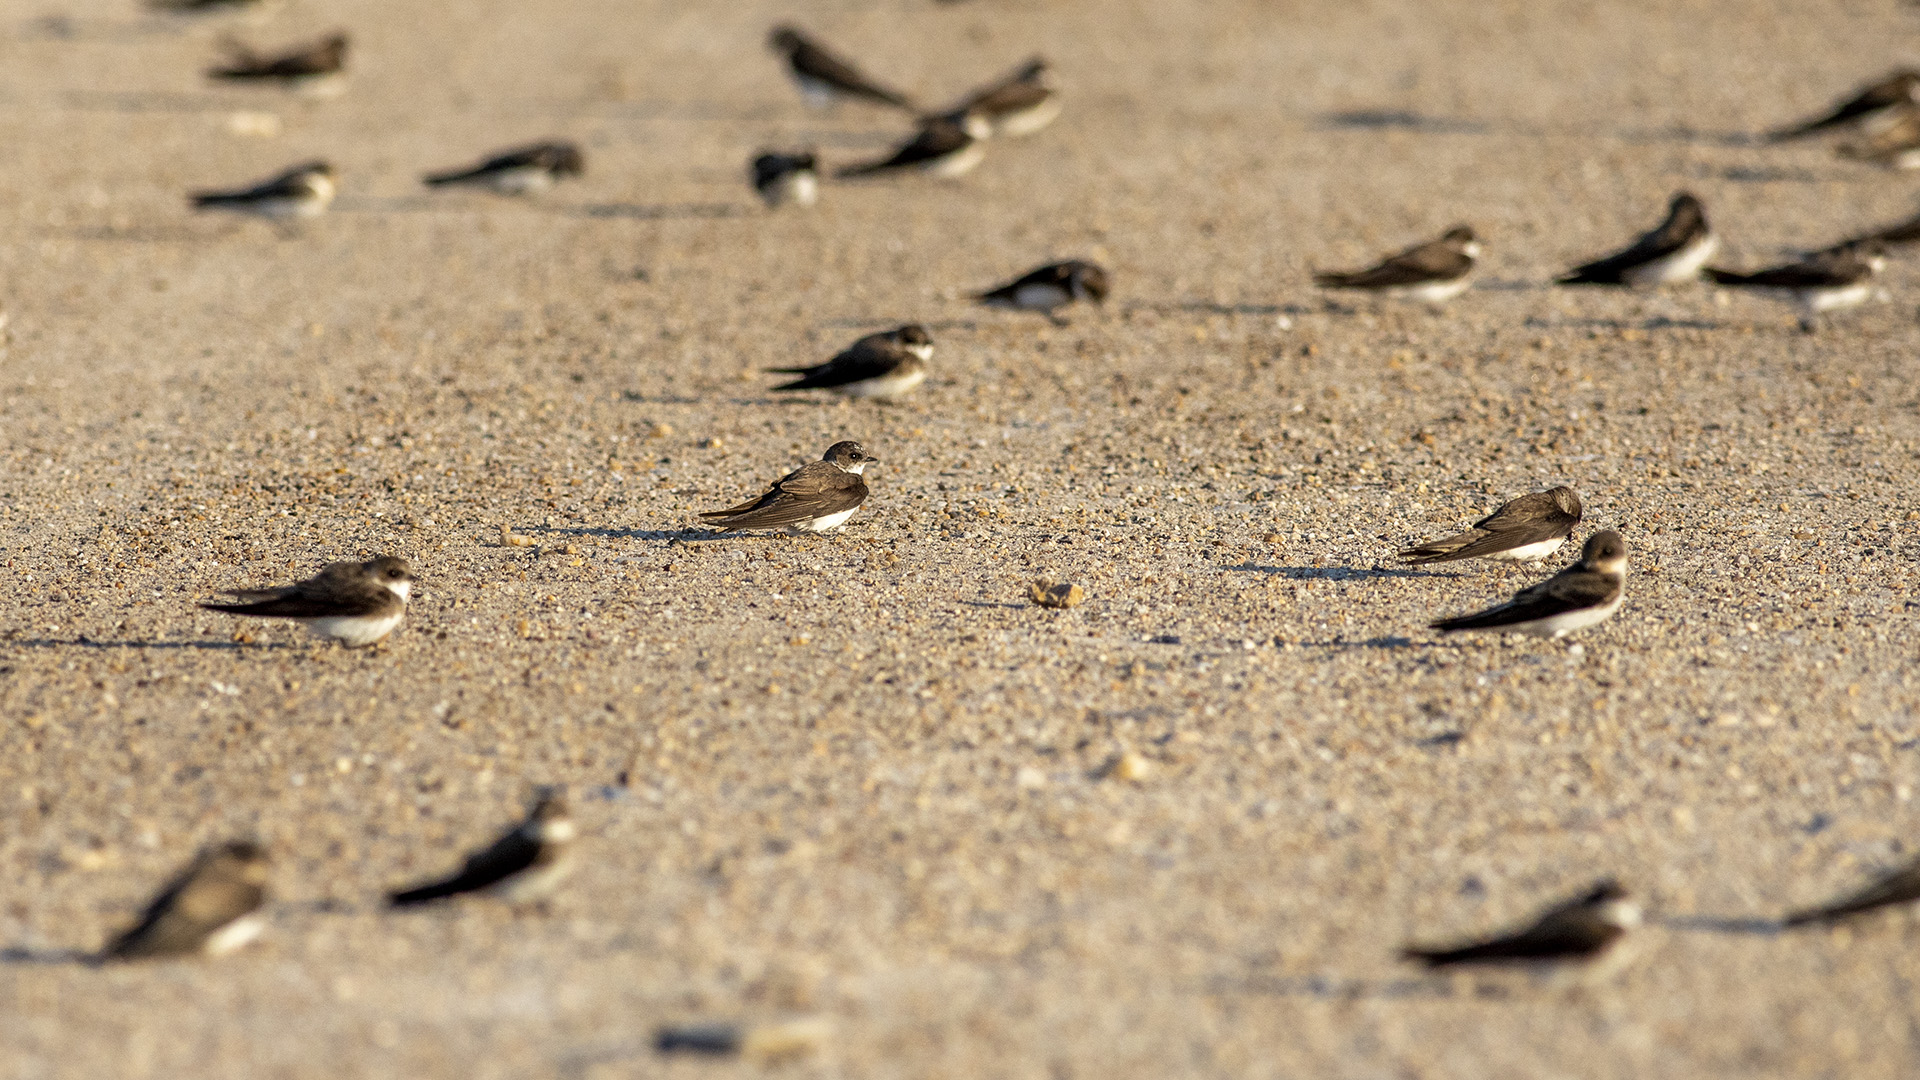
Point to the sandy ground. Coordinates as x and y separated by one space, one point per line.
857 778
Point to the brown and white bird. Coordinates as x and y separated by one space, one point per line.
1831 280
1895 143
1048 288
816 497
525 170
1432 273
1866 109
524 866
946 147
1527 529
1900 886
824 77
786 178
1673 253
1584 594
314 68
1580 929
211 908
1019 103
304 191
355 603
880 366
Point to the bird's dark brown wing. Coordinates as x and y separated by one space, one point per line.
1899 887
936 139
1572 589
510 855
813 491
1529 519
1566 933
1434 261
1682 227
868 358
816 62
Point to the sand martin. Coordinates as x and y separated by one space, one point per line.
1897 887
1020 103
945 146
313 68
523 867
212 908
1579 929
1830 280
1582 595
303 191
356 603
1868 108
824 78
1528 529
1894 144
1050 287
883 365
787 178
1432 273
813 498
201 5
526 170
1672 253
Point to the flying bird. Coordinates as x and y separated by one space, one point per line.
1048 288
524 866
1866 108
880 366
354 603
1674 252
211 908
304 191
1577 930
1527 529
1584 594
783 178
526 170
824 77
1432 273
1900 886
813 498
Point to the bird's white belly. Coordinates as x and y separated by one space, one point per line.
1041 297
817 93
798 188
1554 626
355 631
1846 296
533 885
958 163
1529 552
1433 292
892 384
1680 266
1028 120
233 935
822 524
530 180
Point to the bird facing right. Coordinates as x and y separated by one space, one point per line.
211 908
1576 930
1527 529
1432 273
1584 594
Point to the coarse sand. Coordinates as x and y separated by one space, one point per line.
860 782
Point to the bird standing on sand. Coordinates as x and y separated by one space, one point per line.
525 170
1432 273
314 68
1673 253
1831 280
786 178
1867 109
824 77
304 191
813 498
945 147
880 366
523 867
1584 594
1020 103
211 908
1048 288
354 603
1527 529
1577 930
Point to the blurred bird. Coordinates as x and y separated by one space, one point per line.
823 77
1831 280
1894 143
1051 287
303 191
787 178
1577 930
197 6
1900 886
1020 103
1868 107
211 908
1432 273
526 170
523 867
813 498
1673 252
880 366
1527 529
313 68
1584 594
354 603
945 147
